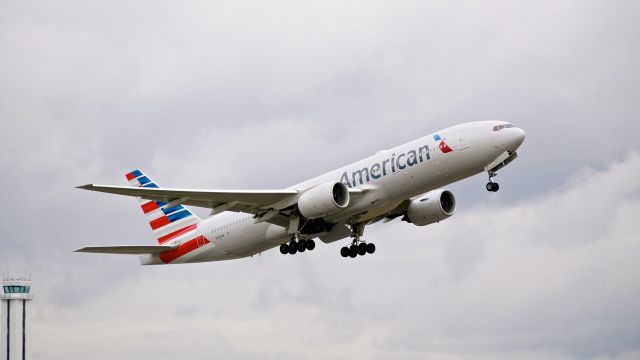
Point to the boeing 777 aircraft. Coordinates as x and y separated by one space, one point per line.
405 182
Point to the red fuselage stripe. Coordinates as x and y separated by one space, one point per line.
149 207
159 222
183 249
177 233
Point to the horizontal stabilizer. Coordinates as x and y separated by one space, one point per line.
127 249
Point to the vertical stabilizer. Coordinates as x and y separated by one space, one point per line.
168 221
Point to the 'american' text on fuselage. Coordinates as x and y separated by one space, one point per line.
386 167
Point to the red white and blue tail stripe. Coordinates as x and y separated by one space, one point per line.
168 221
172 223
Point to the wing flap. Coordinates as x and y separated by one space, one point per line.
127 249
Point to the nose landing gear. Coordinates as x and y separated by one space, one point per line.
491 185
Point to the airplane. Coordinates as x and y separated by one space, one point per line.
403 182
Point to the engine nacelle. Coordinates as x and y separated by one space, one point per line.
323 200
431 207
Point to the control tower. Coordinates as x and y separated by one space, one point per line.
14 301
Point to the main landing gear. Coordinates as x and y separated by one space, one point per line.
357 247
491 185
297 246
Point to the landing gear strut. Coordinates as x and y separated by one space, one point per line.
491 185
357 247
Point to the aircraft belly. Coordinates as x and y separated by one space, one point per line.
208 253
237 243
377 212
253 239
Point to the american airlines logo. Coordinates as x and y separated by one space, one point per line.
388 166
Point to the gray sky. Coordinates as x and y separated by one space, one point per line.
266 94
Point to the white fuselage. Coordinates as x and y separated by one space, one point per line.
390 176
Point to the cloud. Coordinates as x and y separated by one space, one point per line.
257 95
554 273
494 281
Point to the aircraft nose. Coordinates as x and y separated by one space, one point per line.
515 139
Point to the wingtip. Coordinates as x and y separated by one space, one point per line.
85 187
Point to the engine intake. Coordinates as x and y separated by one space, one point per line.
323 200
431 207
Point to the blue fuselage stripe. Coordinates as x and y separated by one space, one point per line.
179 215
136 173
170 210
143 180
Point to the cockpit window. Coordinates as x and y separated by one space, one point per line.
503 126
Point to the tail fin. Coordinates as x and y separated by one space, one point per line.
169 221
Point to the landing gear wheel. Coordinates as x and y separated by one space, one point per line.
293 248
301 246
344 251
353 251
311 245
362 249
371 248
491 185
284 249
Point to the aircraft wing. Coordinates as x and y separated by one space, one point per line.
127 249
257 202
201 198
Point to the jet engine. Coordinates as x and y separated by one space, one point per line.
431 207
323 200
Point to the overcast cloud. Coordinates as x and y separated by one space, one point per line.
216 94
